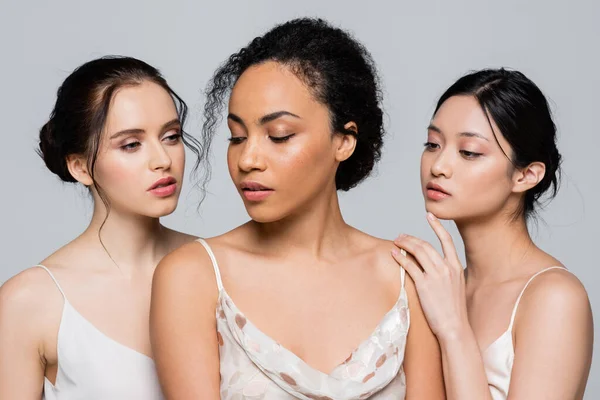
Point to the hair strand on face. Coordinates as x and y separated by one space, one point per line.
521 112
337 69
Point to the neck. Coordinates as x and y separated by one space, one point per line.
133 242
318 227
495 247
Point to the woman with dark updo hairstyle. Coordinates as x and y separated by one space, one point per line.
294 303
76 326
515 324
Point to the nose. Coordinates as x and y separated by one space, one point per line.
159 157
442 165
251 157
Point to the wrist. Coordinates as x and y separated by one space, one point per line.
456 334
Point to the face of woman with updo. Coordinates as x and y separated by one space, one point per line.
125 144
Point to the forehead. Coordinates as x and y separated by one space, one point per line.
140 106
460 114
270 87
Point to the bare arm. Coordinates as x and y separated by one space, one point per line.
553 340
21 357
422 358
183 325
463 367
441 287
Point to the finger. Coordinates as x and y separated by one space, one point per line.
445 239
425 254
415 272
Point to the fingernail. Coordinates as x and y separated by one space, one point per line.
395 253
402 236
430 216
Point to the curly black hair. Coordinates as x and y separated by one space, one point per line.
340 73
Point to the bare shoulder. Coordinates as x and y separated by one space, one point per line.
557 286
555 296
31 287
33 294
188 268
383 248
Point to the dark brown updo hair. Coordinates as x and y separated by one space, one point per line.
81 109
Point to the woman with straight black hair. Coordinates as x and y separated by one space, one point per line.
515 324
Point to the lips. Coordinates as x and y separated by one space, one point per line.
253 187
162 183
437 188
435 192
255 191
164 187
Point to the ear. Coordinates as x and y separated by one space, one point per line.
526 178
347 143
77 165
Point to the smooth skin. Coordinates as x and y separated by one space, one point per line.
115 298
468 309
314 284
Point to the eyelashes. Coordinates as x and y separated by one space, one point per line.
172 139
131 146
274 139
430 146
236 140
470 154
281 139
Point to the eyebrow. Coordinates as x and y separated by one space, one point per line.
136 131
265 118
434 128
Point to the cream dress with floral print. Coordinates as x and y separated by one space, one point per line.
254 366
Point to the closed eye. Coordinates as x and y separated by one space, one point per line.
281 139
236 140
470 154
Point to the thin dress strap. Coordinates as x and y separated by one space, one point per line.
514 313
214 262
402 272
54 279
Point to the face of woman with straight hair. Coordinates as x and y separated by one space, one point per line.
466 173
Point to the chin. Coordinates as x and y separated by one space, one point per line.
264 214
440 210
163 210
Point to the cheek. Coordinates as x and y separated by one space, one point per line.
232 160
489 183
310 162
117 174
425 166
296 158
177 154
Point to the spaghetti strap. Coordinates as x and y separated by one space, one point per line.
402 271
514 313
213 259
54 279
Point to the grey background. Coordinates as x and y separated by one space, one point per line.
420 47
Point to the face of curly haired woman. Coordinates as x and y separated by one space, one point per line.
283 155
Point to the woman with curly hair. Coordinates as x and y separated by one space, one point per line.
294 303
